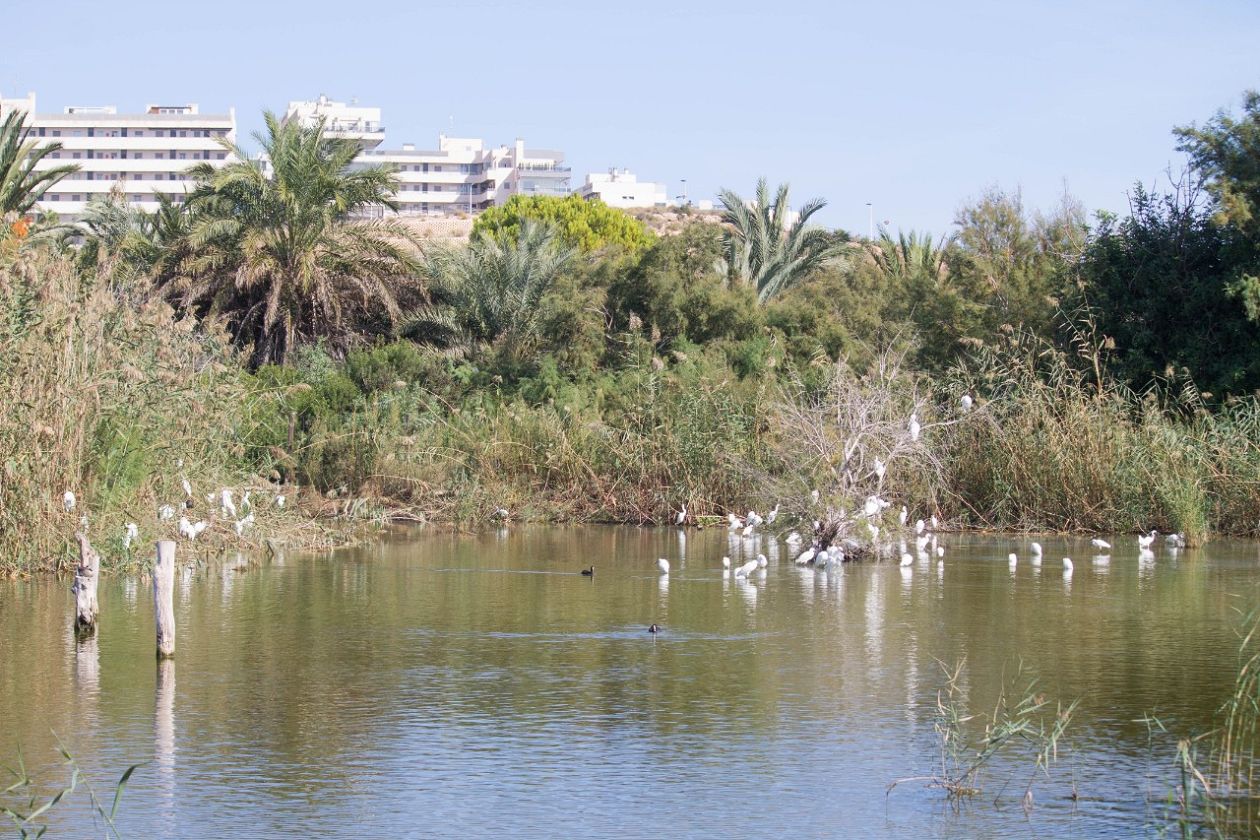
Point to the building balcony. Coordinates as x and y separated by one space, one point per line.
538 170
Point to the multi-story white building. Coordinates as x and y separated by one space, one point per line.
350 122
466 176
620 188
143 153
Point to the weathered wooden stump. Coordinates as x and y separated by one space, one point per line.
164 598
86 576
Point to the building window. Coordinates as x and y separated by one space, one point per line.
56 132
77 155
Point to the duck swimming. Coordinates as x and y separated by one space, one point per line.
589 571
655 628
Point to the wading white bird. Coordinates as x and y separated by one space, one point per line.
663 565
726 562
226 504
919 526
772 515
907 560
1096 543
1036 549
914 427
940 551
748 530
901 517
965 402
1144 541
1067 565
762 562
806 556
753 518
130 535
733 523
1012 559
746 569
681 518
1175 540
67 501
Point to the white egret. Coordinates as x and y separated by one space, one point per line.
226 504
805 556
754 518
1036 549
907 560
940 551
880 468
166 512
762 562
901 517
1012 559
1144 541
726 562
733 523
129 535
748 530
935 523
772 515
872 506
1097 543
965 403
914 427
663 565
502 513
746 569
67 501
1175 540
681 518
920 543
1067 565
186 485
919 526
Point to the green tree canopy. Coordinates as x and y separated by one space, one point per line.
589 225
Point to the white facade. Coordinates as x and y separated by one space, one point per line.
351 122
464 175
145 153
620 188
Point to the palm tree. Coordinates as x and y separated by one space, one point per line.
280 253
20 184
909 255
492 289
762 250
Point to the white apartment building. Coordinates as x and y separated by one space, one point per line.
465 175
620 188
350 122
146 153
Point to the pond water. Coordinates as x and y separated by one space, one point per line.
476 686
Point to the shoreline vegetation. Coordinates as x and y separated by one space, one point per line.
570 365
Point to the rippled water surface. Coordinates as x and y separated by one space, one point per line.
480 687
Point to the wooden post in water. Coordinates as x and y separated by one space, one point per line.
164 598
86 575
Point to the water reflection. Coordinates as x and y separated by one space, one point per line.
469 678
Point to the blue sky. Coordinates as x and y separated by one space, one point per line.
914 106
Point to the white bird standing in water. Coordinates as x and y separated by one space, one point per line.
1036 549
726 562
681 518
1012 559
762 562
732 522
1144 541
1103 544
746 569
130 535
1175 540
805 556
1067 565
663 565
67 501
907 560
914 427
772 515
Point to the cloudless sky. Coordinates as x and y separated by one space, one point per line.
913 106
